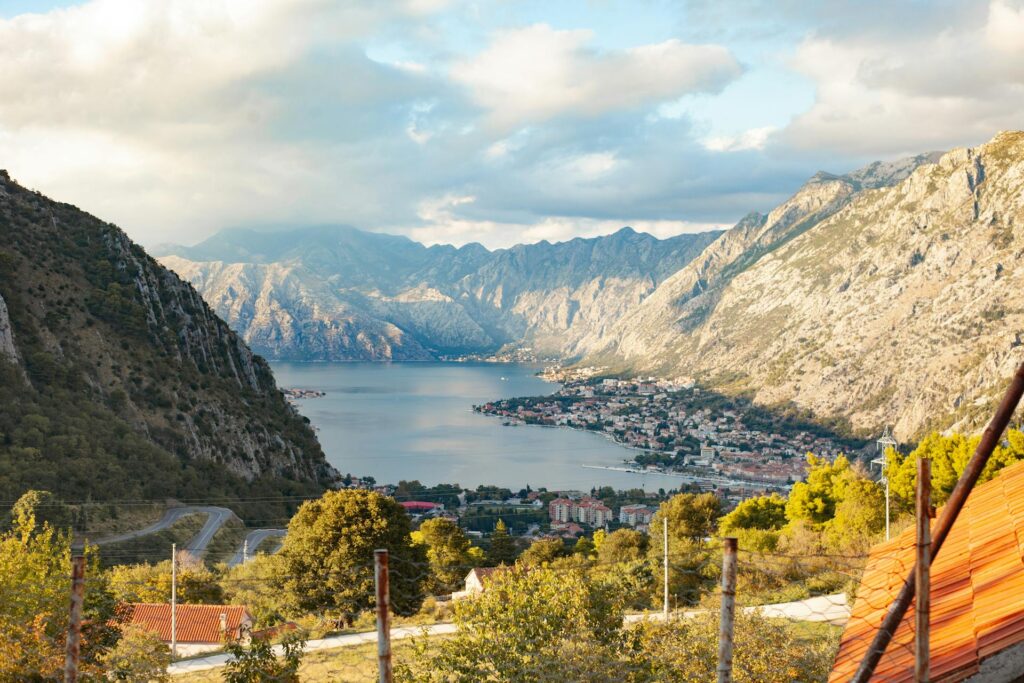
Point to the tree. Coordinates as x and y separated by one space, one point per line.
815 498
259 585
691 520
949 455
448 553
257 663
503 548
584 547
328 553
542 551
761 512
623 545
139 657
35 561
197 584
538 624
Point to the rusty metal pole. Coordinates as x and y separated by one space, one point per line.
728 618
989 440
380 565
922 570
74 641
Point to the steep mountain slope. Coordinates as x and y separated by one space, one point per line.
118 381
898 307
335 293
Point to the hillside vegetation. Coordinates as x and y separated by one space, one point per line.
119 382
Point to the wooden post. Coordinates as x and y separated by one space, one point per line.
727 621
174 600
74 641
380 565
922 570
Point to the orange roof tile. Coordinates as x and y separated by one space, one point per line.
977 591
195 623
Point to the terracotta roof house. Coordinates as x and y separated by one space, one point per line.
977 593
200 628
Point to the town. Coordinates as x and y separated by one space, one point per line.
674 426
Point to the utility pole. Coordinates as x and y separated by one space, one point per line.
74 640
922 571
174 600
664 530
245 550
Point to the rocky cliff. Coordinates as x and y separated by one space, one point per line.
880 304
338 293
119 379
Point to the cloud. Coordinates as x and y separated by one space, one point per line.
755 138
535 73
889 94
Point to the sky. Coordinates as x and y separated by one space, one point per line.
499 122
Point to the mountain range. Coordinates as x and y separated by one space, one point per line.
880 296
338 293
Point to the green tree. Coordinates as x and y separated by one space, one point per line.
584 547
949 455
815 498
503 547
691 521
761 512
328 553
35 562
529 625
197 583
623 545
259 585
542 551
257 663
448 553
139 657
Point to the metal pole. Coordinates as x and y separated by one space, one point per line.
989 440
74 640
174 600
887 507
245 551
380 565
727 621
664 529
922 569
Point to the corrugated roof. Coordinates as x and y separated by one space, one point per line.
195 623
977 590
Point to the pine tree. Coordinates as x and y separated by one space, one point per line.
503 548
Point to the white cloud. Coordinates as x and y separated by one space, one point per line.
755 138
535 73
883 95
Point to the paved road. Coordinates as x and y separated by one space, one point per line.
254 539
349 640
830 608
216 517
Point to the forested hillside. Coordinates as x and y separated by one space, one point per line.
118 381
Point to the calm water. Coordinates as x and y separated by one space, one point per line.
396 421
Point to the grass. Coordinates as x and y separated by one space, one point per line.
228 539
343 664
154 547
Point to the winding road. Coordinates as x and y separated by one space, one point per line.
254 539
216 517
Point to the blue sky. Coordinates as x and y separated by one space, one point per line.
498 122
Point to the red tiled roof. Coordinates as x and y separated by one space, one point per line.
977 590
195 623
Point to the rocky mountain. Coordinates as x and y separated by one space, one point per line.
883 297
118 381
337 293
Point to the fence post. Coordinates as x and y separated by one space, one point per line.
922 570
174 601
380 566
727 622
74 640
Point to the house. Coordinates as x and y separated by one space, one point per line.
636 515
200 628
977 595
476 581
420 507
